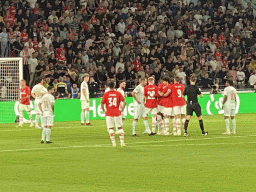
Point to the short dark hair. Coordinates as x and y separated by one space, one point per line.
193 78
166 79
230 82
111 85
39 80
49 88
177 79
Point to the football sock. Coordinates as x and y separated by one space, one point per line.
233 124
121 135
48 134
147 129
227 124
43 133
166 124
154 124
183 121
30 117
87 116
134 123
178 124
37 119
21 117
186 126
174 125
112 136
201 125
82 117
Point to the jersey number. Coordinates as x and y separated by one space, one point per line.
179 92
151 94
112 102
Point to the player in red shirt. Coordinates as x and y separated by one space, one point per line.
24 102
160 114
166 104
179 104
151 94
112 100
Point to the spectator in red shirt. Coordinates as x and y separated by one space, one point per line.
137 63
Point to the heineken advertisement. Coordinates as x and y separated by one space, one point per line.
70 109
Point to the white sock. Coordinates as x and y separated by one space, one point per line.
87 116
112 136
166 123
43 133
178 124
82 116
21 117
233 124
174 125
48 134
227 124
134 123
30 117
154 124
37 119
147 129
183 121
121 135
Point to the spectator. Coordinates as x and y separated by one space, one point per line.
252 79
61 89
93 87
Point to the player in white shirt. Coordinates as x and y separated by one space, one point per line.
36 92
229 104
121 88
46 106
139 108
85 100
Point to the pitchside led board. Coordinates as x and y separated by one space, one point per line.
69 109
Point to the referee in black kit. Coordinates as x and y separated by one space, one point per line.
192 105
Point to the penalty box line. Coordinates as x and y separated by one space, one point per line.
137 144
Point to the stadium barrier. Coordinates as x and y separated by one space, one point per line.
70 109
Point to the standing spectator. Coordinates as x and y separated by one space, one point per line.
182 75
32 62
26 70
252 79
93 88
137 63
4 42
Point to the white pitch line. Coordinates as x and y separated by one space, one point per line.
134 144
191 144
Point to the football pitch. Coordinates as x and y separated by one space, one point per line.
82 158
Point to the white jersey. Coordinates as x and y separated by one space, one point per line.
38 90
84 86
46 103
230 92
108 89
120 90
139 93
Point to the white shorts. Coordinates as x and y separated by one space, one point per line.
153 111
84 104
47 120
160 109
123 114
177 110
23 107
139 111
229 110
114 121
168 111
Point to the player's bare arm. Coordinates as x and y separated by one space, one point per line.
52 107
40 107
102 107
224 100
167 93
85 95
33 95
123 105
134 96
201 95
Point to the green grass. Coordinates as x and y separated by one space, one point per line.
82 159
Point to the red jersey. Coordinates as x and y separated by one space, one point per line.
112 100
151 94
177 90
168 99
24 92
160 89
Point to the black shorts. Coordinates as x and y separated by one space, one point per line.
194 107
